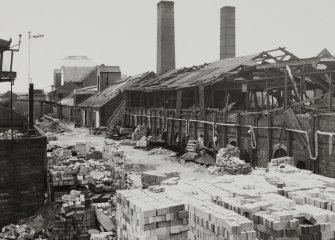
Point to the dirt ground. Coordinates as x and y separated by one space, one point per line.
138 159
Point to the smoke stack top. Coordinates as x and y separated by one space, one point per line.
227 32
165 36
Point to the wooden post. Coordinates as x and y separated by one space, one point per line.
202 101
254 151
212 97
330 92
269 124
302 87
238 131
289 143
224 130
285 91
178 103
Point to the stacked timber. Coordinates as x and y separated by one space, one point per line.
228 159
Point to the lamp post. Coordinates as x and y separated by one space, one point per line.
31 87
29 51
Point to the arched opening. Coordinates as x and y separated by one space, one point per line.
280 152
233 143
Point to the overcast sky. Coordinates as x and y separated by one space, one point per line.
123 32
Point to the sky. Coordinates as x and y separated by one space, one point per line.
123 32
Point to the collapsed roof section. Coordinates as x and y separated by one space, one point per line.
208 74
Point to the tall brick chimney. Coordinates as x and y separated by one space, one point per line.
227 32
165 37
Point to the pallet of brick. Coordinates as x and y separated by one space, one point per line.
150 214
151 178
209 221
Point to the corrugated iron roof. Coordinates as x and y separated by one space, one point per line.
197 75
101 98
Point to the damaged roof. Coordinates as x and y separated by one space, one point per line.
101 98
196 75
208 74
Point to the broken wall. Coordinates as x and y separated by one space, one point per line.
22 177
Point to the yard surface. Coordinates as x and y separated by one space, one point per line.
138 160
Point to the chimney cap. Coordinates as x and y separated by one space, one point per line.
233 7
165 2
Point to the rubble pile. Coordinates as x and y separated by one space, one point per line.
228 160
21 232
81 149
142 143
8 134
139 132
51 125
152 178
75 217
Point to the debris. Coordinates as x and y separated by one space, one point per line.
228 159
140 131
152 178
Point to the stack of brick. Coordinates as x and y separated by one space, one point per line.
152 178
61 154
73 220
148 215
209 221
81 149
73 174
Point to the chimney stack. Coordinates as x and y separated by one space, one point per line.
165 36
227 32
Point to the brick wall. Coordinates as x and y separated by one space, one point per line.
22 178
324 165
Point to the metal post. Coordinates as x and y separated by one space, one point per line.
31 109
11 92
29 37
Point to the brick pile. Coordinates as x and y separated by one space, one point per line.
229 160
74 218
81 149
210 221
150 214
266 205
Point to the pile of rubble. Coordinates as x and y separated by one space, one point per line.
228 160
74 218
8 134
51 125
151 178
140 131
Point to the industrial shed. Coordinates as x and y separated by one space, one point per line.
268 104
105 108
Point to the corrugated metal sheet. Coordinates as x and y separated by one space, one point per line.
101 98
194 76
